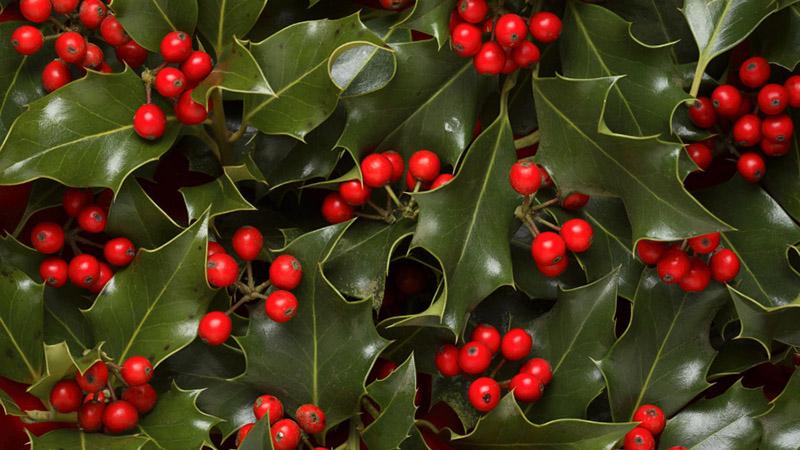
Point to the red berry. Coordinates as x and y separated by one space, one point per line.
150 122
484 394
243 432
143 397
525 177
702 113
84 270
119 251
574 201
792 86
382 369
94 379
53 272
424 165
47 237
285 434
90 416
285 272
777 128
754 72
705 243
510 66
335 209
310 418
639 439
55 75
221 270
441 180
510 30
473 11
698 277
554 270
651 418
170 82
526 54
447 360
247 242
577 234
66 396
136 370
726 100
376 170
131 54
545 27
773 99
474 357
701 154
188 111
490 59
92 13
466 40
92 219
747 130
214 248
771 148
673 266
527 388
215 328
411 183
540 368
71 47
394 5
27 40
751 167
281 306
75 200
65 6
103 277
517 344
488 336
724 265
548 248
113 32
746 107
398 166
176 47
36 11
120 416
268 405
93 58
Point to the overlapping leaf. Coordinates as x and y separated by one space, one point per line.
222 20
236 70
658 22
767 324
176 423
430 17
779 47
72 439
259 436
220 196
148 21
20 78
60 364
136 216
64 321
783 182
780 425
21 319
530 280
394 396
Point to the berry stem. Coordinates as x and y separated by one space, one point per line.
370 216
251 284
58 24
548 223
417 185
531 225
239 133
543 205
393 196
219 128
236 305
497 369
527 141
51 416
354 438
381 211
85 241
263 286
308 442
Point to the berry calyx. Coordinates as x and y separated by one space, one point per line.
376 170
176 47
92 219
268 405
92 13
527 388
215 328
221 270
36 11
651 418
554 270
545 27
447 360
310 418
113 32
747 130
516 344
639 439
335 209
95 377
136 370
27 40
724 265
705 243
510 30
188 111
247 242
473 11
484 394
673 266
197 66
702 113
142 397
726 100
47 237
71 47
281 306
751 167
55 75
540 368
90 416
119 251
474 358
66 396
488 336
754 72
120 416
701 154
466 40
285 434
84 270
490 59
773 99
170 82
548 248
577 234
650 252
285 272
525 177
53 272
149 122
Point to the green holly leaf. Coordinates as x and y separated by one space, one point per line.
414 337
466 225
430 17
411 112
136 216
45 194
778 48
17 255
736 356
8 406
643 172
53 138
783 182
597 43
659 23
236 71
527 277
20 77
21 334
176 422
727 421
663 356
259 437
332 375
577 331
218 197
60 364
360 261
72 439
780 425
765 324
64 321
394 396
153 307
147 22
506 427
222 20
305 92
765 273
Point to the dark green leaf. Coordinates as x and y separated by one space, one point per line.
15 254
236 71
64 321
395 398
779 47
8 406
20 77
60 364
360 69
767 324
781 424
21 318
221 20
72 439
148 21
783 182
44 194
736 356
136 216
259 437
658 22
220 196
431 17
176 423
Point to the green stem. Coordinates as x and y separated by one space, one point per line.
239 133
393 196
527 141
236 305
250 281
549 224
370 216
354 438
51 416
698 78
219 128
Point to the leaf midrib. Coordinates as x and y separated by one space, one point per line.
12 83
283 90
164 15
28 365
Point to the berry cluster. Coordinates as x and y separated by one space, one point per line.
83 270
763 122
691 273
222 270
507 48
286 433
93 396
475 357
380 170
651 423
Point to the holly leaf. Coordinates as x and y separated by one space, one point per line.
135 215
783 182
576 332
17 255
305 93
736 356
153 307
218 197
9 407
305 360
659 23
430 17
663 356
44 194
527 277
764 233
643 172
20 77
60 364
56 139
222 20
778 48
72 439
360 261
147 22
236 71
765 324
465 224
64 321
506 427
259 437
21 334
780 425
394 396
727 421
597 43
176 423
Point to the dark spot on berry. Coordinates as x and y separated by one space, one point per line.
487 398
